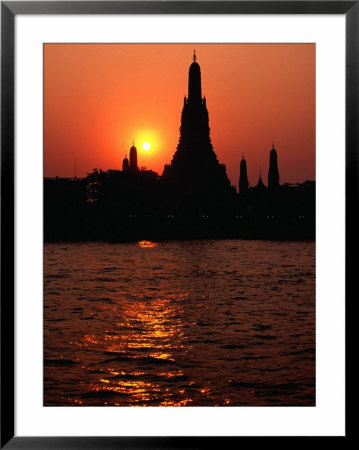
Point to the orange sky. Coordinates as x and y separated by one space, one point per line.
97 97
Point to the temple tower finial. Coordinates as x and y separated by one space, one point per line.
194 82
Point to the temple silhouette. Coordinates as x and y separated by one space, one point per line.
131 164
273 174
243 178
194 174
192 199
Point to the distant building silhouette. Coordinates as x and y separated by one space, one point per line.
273 173
194 170
243 178
133 157
125 164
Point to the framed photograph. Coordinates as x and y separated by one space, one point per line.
179 186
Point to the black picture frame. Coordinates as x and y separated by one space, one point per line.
9 10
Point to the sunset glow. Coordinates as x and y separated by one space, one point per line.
146 146
98 98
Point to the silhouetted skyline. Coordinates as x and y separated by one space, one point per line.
192 199
117 93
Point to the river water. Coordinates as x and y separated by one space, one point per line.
180 323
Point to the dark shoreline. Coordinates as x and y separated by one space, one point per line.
140 207
132 231
129 241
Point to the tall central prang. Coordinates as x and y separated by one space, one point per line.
195 172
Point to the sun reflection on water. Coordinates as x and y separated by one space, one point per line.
145 333
147 244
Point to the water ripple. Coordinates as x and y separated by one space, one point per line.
196 323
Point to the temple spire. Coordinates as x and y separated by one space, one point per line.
133 157
243 178
196 179
273 173
194 82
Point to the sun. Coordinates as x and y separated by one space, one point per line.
146 146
